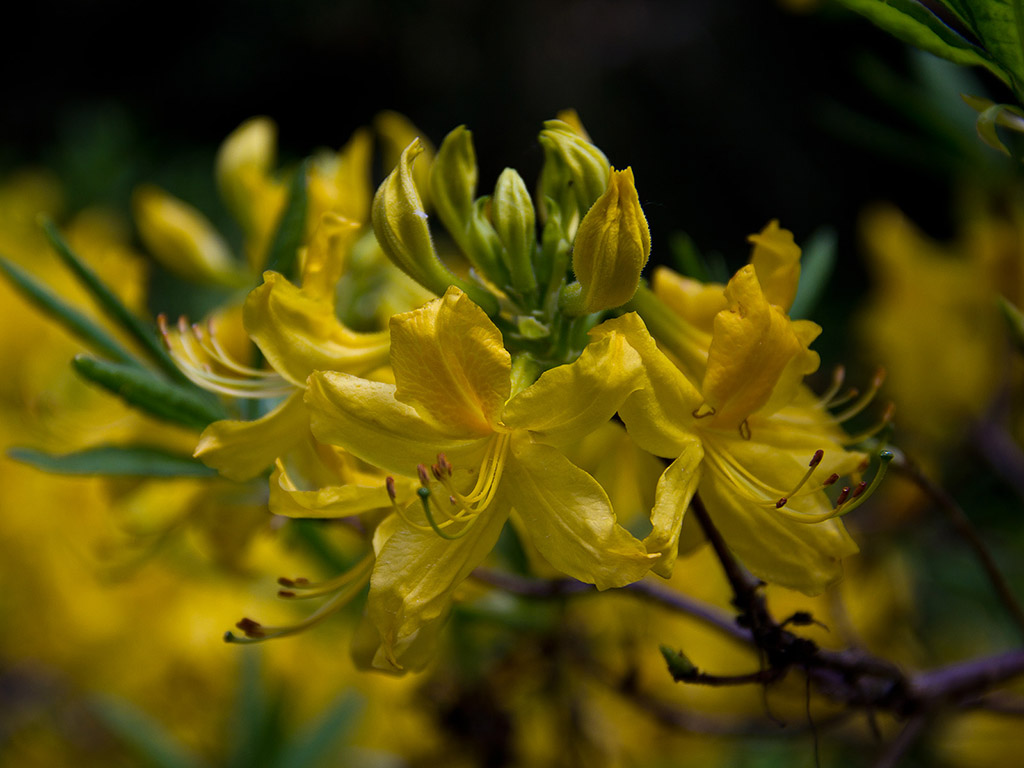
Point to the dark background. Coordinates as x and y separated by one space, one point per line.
730 112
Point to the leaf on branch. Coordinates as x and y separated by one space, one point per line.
142 389
110 303
115 460
66 315
679 666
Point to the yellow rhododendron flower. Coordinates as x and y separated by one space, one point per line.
743 431
459 401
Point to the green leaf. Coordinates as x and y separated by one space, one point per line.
816 265
912 23
69 317
117 460
145 735
999 25
314 746
144 390
110 304
284 248
1014 321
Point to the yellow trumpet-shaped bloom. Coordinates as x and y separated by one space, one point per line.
744 431
458 400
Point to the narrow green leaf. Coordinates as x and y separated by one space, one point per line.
116 460
679 665
110 304
256 732
143 734
69 317
144 390
816 265
1014 321
313 747
912 23
284 248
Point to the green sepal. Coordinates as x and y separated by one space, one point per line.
282 256
816 265
70 318
144 390
115 460
110 304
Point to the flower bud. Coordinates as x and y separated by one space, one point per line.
611 247
513 217
181 239
575 172
453 178
401 227
245 158
396 132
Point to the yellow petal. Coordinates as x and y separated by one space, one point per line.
696 302
675 489
340 183
416 575
450 362
569 518
570 401
181 238
755 348
299 335
328 501
802 556
324 261
364 418
776 259
240 450
658 415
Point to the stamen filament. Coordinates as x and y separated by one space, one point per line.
864 399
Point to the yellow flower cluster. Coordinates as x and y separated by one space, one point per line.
430 432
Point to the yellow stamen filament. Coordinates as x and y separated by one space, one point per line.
301 589
468 505
838 376
257 633
847 502
753 488
870 432
196 353
864 399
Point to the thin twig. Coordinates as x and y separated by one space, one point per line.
966 530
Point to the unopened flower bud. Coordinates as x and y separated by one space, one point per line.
453 178
611 248
513 217
247 155
181 238
575 172
401 227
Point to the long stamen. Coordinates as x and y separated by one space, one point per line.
864 399
838 376
847 501
867 434
302 589
256 632
815 461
